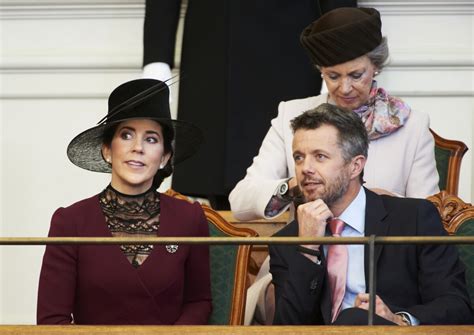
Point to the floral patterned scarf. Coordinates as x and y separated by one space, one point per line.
383 114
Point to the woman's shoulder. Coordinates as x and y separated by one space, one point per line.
419 117
292 108
178 204
71 220
81 206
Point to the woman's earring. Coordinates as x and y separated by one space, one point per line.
322 76
376 72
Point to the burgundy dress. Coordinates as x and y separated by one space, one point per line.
93 284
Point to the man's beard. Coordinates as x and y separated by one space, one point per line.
333 191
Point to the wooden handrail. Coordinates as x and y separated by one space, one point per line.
235 330
237 240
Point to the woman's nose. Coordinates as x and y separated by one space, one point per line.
346 85
138 146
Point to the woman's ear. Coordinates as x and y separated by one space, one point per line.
106 153
164 160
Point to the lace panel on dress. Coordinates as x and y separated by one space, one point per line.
132 216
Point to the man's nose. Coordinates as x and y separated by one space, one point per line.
308 166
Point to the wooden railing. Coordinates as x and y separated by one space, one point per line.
370 241
234 330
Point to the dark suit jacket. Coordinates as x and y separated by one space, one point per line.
98 285
239 59
426 281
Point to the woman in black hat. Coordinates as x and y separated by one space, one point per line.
347 47
129 284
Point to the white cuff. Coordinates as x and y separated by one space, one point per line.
160 71
414 321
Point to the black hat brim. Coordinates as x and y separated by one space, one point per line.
85 150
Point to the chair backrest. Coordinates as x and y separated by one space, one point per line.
229 265
458 219
448 155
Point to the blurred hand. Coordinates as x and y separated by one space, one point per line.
292 182
158 70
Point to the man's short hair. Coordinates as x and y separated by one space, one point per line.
352 135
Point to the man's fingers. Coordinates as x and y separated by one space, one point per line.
364 305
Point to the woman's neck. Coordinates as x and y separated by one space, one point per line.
133 193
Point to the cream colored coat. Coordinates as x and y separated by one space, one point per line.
401 163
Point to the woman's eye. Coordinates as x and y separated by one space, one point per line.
333 76
125 135
152 140
356 75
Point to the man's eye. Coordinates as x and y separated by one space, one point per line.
320 156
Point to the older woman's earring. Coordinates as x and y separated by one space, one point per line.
322 76
108 160
376 73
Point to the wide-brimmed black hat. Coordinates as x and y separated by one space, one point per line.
341 35
136 99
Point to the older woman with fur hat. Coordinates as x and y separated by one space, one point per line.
129 284
347 47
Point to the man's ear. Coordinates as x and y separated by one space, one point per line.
106 153
357 166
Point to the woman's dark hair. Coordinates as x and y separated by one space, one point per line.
168 136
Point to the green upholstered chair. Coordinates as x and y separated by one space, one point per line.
229 265
448 155
458 219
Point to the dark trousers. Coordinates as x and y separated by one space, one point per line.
359 317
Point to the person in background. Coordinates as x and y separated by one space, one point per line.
327 284
347 46
238 59
129 284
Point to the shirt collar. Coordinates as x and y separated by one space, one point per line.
354 214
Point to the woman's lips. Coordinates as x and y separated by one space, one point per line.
348 99
133 163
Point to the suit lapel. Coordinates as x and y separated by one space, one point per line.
375 224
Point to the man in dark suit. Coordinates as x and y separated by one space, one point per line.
416 284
